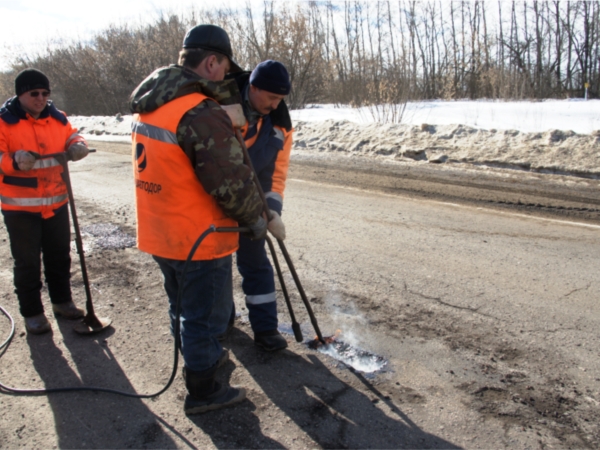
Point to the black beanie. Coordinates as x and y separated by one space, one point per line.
211 38
271 76
30 79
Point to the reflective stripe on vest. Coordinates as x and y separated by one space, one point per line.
40 163
154 132
73 136
33 201
46 163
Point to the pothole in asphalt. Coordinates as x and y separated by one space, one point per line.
356 358
350 356
108 236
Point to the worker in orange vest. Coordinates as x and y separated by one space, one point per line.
268 136
189 175
34 197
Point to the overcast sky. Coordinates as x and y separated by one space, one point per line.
29 25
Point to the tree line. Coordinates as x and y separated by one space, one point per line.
359 53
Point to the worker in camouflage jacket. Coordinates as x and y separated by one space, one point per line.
268 136
190 174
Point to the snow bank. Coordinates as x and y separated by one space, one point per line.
104 128
437 132
554 151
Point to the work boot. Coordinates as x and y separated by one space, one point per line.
37 324
206 394
270 341
68 310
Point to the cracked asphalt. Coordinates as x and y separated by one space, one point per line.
479 287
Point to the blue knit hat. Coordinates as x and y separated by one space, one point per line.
271 76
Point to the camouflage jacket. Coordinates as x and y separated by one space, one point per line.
206 135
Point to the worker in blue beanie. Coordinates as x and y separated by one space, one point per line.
268 136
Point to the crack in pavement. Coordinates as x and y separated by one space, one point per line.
580 289
552 331
440 301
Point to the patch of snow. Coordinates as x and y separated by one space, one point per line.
576 114
553 136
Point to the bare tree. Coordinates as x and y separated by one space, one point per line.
351 52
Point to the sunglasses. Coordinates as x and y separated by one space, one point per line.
37 93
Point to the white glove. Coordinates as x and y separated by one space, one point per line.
77 151
24 160
276 226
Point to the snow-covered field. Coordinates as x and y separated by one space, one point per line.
554 136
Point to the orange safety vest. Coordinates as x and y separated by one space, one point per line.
282 160
41 189
172 207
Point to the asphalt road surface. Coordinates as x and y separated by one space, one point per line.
478 287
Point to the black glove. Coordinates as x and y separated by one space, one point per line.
258 230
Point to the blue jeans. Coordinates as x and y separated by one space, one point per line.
206 305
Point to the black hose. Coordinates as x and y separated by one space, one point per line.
8 390
6 343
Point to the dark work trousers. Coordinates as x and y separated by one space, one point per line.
30 236
258 284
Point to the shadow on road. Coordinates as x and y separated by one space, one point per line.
235 427
88 419
330 411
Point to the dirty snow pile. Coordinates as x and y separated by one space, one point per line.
555 136
552 151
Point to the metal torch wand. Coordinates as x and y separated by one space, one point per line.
90 323
282 247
